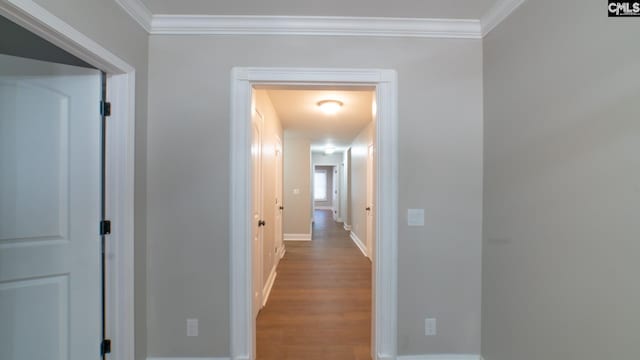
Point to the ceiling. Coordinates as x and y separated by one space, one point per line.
301 117
453 9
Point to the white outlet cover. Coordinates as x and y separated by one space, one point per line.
415 217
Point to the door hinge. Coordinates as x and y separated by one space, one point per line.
105 227
105 347
105 108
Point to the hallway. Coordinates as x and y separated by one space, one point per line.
320 305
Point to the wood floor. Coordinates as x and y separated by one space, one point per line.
320 305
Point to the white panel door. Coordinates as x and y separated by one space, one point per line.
50 166
279 207
257 210
371 208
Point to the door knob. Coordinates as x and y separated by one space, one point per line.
368 208
261 223
281 207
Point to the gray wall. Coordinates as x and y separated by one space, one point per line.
440 169
562 175
108 25
297 175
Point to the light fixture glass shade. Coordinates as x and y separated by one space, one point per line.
330 107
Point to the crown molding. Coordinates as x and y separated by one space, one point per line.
319 25
498 13
138 12
314 26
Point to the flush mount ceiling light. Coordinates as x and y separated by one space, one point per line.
330 107
328 150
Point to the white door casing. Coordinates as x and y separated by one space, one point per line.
120 160
384 270
50 209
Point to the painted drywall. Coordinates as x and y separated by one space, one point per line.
271 134
561 193
297 176
359 151
108 25
328 171
440 170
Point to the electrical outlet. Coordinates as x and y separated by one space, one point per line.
192 327
430 327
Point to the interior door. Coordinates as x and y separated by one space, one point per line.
279 206
50 208
257 233
370 209
335 203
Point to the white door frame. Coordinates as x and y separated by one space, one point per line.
120 161
385 280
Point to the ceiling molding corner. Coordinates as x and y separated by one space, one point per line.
138 11
315 26
498 13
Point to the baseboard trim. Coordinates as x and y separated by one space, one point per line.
297 237
440 357
266 291
347 227
358 243
282 251
320 207
188 358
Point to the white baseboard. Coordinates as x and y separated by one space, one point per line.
358 243
188 358
297 237
266 291
347 227
319 207
282 251
440 357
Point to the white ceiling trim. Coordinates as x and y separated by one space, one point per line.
138 11
498 13
314 25
318 25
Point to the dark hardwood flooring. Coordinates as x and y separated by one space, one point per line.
320 304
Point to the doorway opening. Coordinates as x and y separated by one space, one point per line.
324 281
384 192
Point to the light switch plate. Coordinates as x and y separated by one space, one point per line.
192 327
415 217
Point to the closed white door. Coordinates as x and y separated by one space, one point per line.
257 233
279 206
371 208
334 193
50 186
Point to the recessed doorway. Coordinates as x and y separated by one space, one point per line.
384 259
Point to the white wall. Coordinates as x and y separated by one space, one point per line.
440 170
562 194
